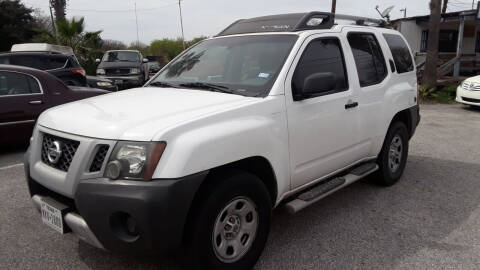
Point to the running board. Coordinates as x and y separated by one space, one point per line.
329 186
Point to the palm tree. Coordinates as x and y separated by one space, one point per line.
59 7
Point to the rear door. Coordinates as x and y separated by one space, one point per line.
323 128
372 81
21 101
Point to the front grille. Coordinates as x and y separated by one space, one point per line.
117 71
473 100
67 149
471 87
99 158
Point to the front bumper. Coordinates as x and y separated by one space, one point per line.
468 97
159 209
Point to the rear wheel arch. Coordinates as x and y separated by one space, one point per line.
404 117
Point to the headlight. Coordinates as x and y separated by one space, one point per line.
134 161
103 84
100 71
135 70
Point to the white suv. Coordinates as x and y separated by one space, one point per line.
274 111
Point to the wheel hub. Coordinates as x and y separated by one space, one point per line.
235 230
232 227
395 153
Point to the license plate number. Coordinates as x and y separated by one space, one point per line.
118 81
52 217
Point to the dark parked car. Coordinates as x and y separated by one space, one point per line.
59 61
25 93
126 68
101 83
153 68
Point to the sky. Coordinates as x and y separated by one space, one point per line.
159 19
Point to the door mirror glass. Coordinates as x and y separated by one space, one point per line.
318 83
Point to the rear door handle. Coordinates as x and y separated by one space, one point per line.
351 105
35 102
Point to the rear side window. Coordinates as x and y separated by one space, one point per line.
55 62
369 58
401 53
33 61
12 83
322 55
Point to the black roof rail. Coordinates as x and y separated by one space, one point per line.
292 23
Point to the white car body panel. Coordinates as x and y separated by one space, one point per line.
304 141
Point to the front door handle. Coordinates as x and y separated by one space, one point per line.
351 105
35 102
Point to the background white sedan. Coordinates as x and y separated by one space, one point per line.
469 91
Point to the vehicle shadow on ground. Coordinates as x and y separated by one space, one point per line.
363 226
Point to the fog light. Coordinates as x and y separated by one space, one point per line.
131 226
113 170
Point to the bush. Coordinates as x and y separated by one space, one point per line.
444 94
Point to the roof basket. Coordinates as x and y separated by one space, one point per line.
41 47
292 23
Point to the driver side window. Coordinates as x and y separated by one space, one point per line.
322 55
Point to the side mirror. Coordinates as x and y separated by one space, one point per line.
317 83
97 61
145 60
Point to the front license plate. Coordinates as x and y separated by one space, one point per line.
52 217
118 81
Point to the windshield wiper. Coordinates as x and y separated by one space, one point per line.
162 84
208 86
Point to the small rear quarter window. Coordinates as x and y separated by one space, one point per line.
401 54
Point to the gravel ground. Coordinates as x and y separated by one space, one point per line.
429 220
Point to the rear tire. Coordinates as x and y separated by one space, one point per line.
231 224
393 157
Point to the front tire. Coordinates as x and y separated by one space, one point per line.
393 157
231 226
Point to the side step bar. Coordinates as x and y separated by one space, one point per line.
327 187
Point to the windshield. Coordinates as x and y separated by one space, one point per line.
121 57
246 65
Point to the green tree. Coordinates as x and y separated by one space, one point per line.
16 24
87 46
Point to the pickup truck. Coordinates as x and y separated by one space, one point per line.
276 111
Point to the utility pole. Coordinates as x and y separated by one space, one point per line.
136 21
473 4
181 22
404 10
334 6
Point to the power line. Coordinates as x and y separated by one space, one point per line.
117 10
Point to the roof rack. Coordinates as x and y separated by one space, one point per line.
41 47
293 22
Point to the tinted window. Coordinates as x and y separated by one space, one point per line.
401 53
322 55
55 61
4 60
33 61
12 83
368 58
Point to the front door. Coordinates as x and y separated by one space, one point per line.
322 128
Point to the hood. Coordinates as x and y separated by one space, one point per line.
137 114
119 65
